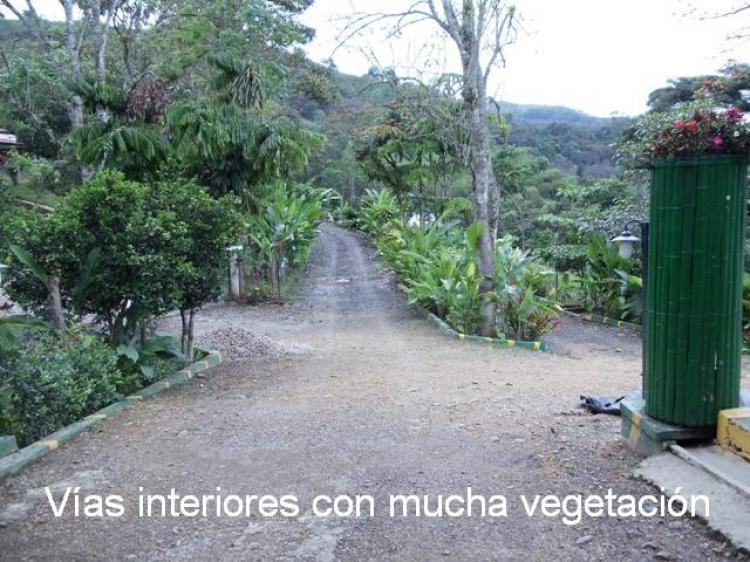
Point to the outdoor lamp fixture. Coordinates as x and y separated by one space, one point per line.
625 242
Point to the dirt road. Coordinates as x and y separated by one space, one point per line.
374 401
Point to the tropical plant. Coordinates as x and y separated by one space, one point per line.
378 210
523 314
601 282
525 311
282 232
15 325
631 295
145 355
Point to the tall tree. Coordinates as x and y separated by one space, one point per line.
480 30
84 21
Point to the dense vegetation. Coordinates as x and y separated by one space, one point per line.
156 157
154 135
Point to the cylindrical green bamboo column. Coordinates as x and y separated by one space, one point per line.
695 270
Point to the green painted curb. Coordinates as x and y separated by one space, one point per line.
604 320
614 323
14 462
8 445
445 329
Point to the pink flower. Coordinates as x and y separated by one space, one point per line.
718 141
692 125
679 123
734 114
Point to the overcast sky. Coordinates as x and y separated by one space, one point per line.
601 56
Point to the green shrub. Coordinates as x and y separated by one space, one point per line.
438 269
377 210
158 248
282 231
602 282
135 276
16 223
524 289
524 315
53 382
346 215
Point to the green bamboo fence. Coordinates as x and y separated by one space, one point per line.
695 270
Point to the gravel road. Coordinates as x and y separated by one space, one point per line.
370 399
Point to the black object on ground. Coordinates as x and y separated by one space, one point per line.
602 404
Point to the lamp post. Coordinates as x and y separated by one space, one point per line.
626 241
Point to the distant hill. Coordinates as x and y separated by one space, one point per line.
546 114
573 141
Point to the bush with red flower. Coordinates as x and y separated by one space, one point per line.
687 130
702 132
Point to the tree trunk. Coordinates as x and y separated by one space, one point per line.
183 333
189 351
186 338
484 184
54 304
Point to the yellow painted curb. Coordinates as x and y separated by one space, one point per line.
635 419
730 435
634 436
52 444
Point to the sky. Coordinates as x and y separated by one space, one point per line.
599 56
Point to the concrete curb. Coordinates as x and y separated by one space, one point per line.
604 320
445 329
13 463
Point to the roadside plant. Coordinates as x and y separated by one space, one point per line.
601 282
524 315
282 231
525 311
146 357
378 210
53 381
163 249
198 253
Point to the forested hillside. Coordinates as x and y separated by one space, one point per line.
573 142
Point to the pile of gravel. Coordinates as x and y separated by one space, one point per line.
239 343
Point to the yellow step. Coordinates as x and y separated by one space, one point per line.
733 433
